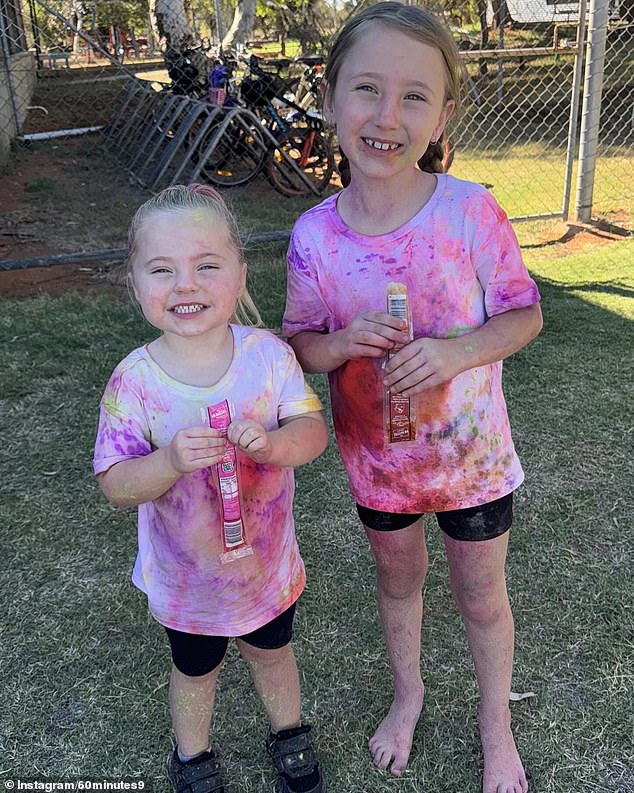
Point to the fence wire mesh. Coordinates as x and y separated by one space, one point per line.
66 64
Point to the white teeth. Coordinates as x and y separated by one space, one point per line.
382 146
188 309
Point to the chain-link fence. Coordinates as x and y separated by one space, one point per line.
547 121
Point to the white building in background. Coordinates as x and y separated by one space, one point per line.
533 11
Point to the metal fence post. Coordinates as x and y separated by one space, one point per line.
591 112
5 55
574 110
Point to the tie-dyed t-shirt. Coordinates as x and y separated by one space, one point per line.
461 263
180 544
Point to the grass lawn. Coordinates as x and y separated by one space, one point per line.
529 179
83 692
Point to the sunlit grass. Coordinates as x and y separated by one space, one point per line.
603 276
529 179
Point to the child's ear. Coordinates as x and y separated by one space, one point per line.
445 114
132 286
243 275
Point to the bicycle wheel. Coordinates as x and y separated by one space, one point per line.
311 152
237 158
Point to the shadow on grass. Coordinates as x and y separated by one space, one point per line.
619 288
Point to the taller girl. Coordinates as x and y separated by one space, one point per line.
391 86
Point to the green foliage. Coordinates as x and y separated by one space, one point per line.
96 20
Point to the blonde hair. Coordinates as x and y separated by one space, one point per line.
189 198
419 24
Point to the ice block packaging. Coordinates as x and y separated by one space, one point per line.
233 534
400 411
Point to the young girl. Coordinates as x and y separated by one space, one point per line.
212 565
401 225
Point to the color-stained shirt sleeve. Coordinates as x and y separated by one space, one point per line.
296 396
122 432
305 307
496 256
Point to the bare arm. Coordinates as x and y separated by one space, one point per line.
370 335
298 440
427 362
143 479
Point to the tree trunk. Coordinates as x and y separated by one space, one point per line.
484 33
170 24
501 14
241 29
78 11
175 36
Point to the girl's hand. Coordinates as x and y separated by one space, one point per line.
195 448
422 364
251 438
370 335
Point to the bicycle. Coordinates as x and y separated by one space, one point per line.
239 153
301 138
292 149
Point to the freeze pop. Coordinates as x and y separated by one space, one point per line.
400 415
233 535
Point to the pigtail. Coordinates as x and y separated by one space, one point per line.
438 157
343 166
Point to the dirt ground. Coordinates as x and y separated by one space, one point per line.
60 199
47 208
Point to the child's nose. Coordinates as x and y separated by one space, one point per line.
388 115
185 281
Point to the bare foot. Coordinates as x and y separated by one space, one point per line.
503 769
392 742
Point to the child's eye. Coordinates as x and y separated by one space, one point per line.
417 97
159 270
208 266
366 88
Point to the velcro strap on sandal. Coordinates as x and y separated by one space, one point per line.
203 777
293 756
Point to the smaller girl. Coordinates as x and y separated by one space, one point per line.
200 429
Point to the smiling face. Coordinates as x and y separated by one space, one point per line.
388 102
187 274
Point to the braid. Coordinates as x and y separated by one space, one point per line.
438 157
344 168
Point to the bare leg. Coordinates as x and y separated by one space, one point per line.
276 680
401 566
476 573
191 705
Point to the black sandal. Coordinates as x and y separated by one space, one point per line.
295 762
200 775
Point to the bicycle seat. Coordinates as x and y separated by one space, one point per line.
315 119
310 60
279 63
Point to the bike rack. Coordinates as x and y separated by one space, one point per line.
122 128
273 141
159 135
231 116
125 106
179 151
168 112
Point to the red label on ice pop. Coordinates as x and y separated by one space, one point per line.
233 536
